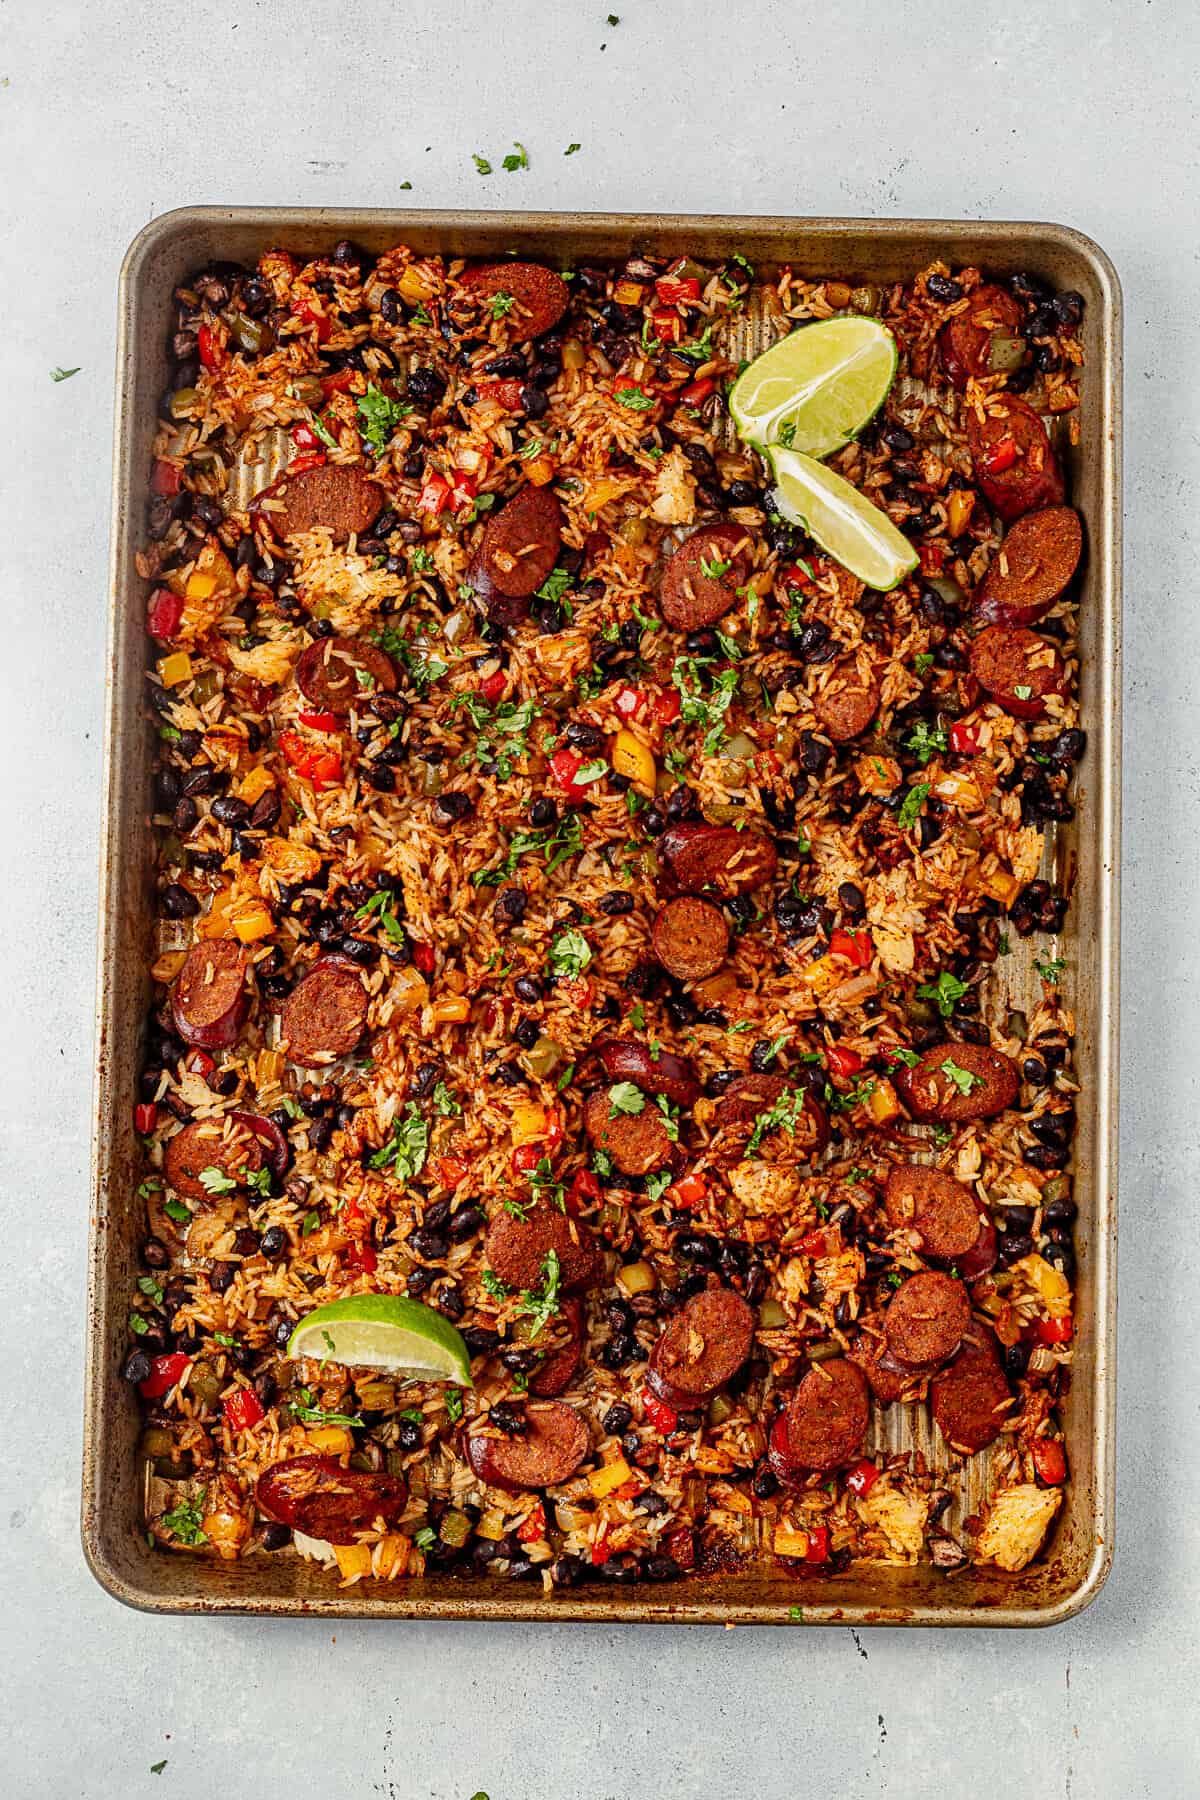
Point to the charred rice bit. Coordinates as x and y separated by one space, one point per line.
471 840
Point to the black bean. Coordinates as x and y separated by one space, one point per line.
765 1483
137 1367
615 903
221 1277
814 755
230 811
698 1248
583 736
648 1502
1060 1257
949 656
654 822
273 1243
1060 1212
465 1223
1068 747
175 902
431 1246
1068 307
451 806
941 287
527 1034
378 776
389 306
526 988
424 1079
617 1419
480 1341
510 904
508 1419
1047 1156
850 896
426 386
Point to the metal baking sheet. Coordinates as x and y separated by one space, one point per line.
1074 1569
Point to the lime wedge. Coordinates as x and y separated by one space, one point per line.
842 520
815 390
385 1331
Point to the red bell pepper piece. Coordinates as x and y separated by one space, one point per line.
794 577
554 1127
1002 456
322 767
601 1549
817 1548
688 1191
304 437
506 393
340 382
164 610
578 991
145 1117
666 706
424 958
862 1478
1049 1461
201 1063
585 1186
673 290
362 1256
165 1371
840 1061
664 1418
166 478
319 721
817 1243
629 702
209 347
534 1526
435 494
243 1410
311 459
493 687
1056 1331
932 558
321 321
963 740
564 765
856 946
526 1157
696 392
451 1169
666 325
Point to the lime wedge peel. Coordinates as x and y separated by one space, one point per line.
814 390
385 1331
842 520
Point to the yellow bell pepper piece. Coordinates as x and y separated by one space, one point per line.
331 1440
451 1011
612 1476
823 975
628 293
268 1068
601 492
255 783
528 1122
882 1103
415 284
1000 885
1050 1282
391 1556
166 967
637 1278
201 585
252 921
631 758
353 1559
492 1525
540 470
175 669
789 1542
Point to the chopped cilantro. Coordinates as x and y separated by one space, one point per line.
637 1016
453 1404
571 149
64 374
914 800
1050 971
183 1521
175 1209
625 1098
657 1184
945 992
493 1285
409 1145
541 1303
1024 692
148 1286
634 399
923 661
444 1102
382 908
669 1124
138 1325
783 1113
216 1181
426 1538
517 157
378 417
925 740
570 953
501 304
481 163
963 1080
714 567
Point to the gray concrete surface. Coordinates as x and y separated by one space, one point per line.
111 114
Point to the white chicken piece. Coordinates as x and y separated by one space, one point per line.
1016 1525
902 1517
674 500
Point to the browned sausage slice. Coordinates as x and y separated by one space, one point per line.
750 1096
315 1495
323 1016
562 1357
1017 668
341 496
701 578
334 672
655 1072
1014 464
556 1441
690 938
209 1002
966 339
718 856
637 1142
926 1318
701 1349
944 1213
1031 568
971 1399
825 1421
519 547
516 1248
981 1256
221 1144
887 1378
541 296
848 702
953 1081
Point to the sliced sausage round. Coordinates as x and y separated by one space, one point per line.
697 856
556 1441
981 1256
848 702
690 938
926 1318
1031 568
341 496
500 609
1014 464
637 1142
701 1349
315 1495
556 1371
660 1072
541 297
700 579
209 1002
334 672
1017 668
957 1081
971 1399
944 1213
225 1146
323 1016
825 1420
516 1248
966 339
750 1096
886 1377
520 543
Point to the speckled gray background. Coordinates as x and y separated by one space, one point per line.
112 113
